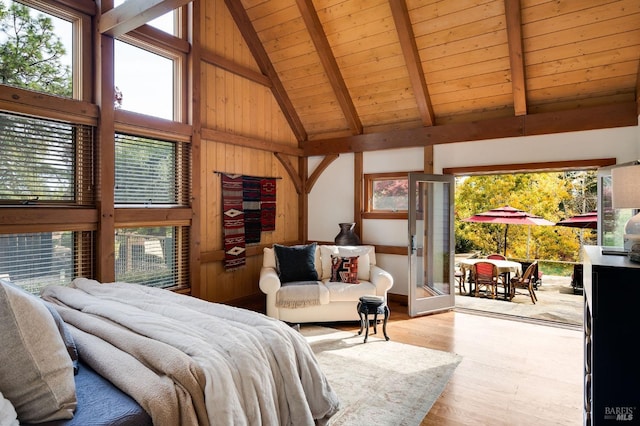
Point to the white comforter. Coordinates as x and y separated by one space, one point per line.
188 361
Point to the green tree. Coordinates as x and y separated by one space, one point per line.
31 52
30 58
549 195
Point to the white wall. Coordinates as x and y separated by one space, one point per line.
331 199
620 143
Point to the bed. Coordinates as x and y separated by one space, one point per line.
143 355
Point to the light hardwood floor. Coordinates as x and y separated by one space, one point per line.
512 372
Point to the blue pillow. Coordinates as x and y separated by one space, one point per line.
296 263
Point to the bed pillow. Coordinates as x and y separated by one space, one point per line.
36 372
344 269
296 263
65 333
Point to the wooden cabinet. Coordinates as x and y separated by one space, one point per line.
611 331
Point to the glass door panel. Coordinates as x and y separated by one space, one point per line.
431 244
611 222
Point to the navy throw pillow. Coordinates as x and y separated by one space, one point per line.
296 263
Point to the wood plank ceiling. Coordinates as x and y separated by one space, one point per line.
351 67
353 75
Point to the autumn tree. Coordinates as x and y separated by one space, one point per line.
549 195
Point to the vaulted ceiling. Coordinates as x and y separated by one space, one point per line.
345 70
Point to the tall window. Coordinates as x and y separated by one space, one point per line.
144 81
35 49
152 168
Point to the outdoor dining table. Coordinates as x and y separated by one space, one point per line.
506 267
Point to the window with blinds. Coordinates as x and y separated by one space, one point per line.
35 260
155 256
150 171
45 161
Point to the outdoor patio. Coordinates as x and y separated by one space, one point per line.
557 303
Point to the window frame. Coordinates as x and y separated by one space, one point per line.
83 157
369 179
81 48
158 42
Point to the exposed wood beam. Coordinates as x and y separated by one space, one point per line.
129 121
516 57
303 200
260 55
600 117
193 29
232 139
29 102
318 171
638 88
323 49
85 6
291 171
132 14
550 166
105 92
358 194
216 60
47 216
155 37
412 59
131 217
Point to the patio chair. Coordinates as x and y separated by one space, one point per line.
503 277
485 275
496 256
576 278
537 274
459 277
526 282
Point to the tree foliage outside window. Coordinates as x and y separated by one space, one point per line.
31 52
553 196
391 194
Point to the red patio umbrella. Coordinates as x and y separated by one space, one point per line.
585 220
509 216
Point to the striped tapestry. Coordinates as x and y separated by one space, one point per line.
268 204
233 221
251 207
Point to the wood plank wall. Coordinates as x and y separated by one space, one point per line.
236 105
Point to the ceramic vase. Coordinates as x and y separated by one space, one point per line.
346 236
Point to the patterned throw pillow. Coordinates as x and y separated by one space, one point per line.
344 269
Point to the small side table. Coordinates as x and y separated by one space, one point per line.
372 305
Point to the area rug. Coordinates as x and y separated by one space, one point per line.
380 382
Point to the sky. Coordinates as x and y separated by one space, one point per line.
140 75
